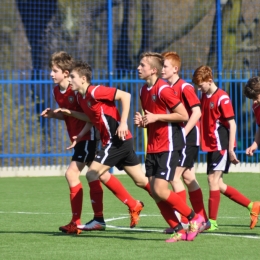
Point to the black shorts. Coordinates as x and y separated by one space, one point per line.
218 161
85 151
189 155
118 154
162 165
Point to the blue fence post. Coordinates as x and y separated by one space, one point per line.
110 45
219 41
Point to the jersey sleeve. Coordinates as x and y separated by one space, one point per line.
168 97
190 96
256 109
104 93
226 107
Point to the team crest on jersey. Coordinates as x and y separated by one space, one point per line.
211 105
175 93
71 99
154 98
89 104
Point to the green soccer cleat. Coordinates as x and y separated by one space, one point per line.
213 225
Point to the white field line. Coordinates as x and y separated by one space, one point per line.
124 216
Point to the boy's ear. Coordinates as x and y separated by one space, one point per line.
66 72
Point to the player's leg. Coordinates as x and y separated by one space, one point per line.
76 190
238 197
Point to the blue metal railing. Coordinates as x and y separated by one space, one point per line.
28 139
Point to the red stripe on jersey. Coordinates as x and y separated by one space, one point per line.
162 136
67 99
98 104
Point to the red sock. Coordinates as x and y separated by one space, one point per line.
182 194
96 197
236 196
179 205
168 214
214 200
148 189
120 192
196 200
76 199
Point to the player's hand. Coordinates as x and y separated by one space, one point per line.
122 131
149 118
76 140
138 119
251 149
47 113
64 111
233 157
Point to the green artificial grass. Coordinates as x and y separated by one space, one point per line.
32 209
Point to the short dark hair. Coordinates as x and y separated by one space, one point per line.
252 88
83 69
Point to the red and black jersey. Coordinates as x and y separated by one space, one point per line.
162 136
98 104
256 109
186 93
67 99
216 110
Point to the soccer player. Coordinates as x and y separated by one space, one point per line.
218 130
163 113
84 153
98 104
252 91
185 169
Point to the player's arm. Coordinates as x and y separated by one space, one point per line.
179 114
194 118
124 98
232 137
49 113
79 115
251 149
77 138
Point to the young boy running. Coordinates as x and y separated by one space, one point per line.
98 104
218 130
163 113
185 169
84 153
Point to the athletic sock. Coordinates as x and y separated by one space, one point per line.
96 197
148 188
177 204
120 192
76 199
196 200
250 206
214 200
182 194
168 213
236 196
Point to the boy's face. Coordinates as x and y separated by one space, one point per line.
144 69
256 100
168 69
58 75
204 86
75 80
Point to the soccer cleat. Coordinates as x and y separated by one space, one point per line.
254 213
176 236
213 225
195 225
135 212
71 228
205 226
93 225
